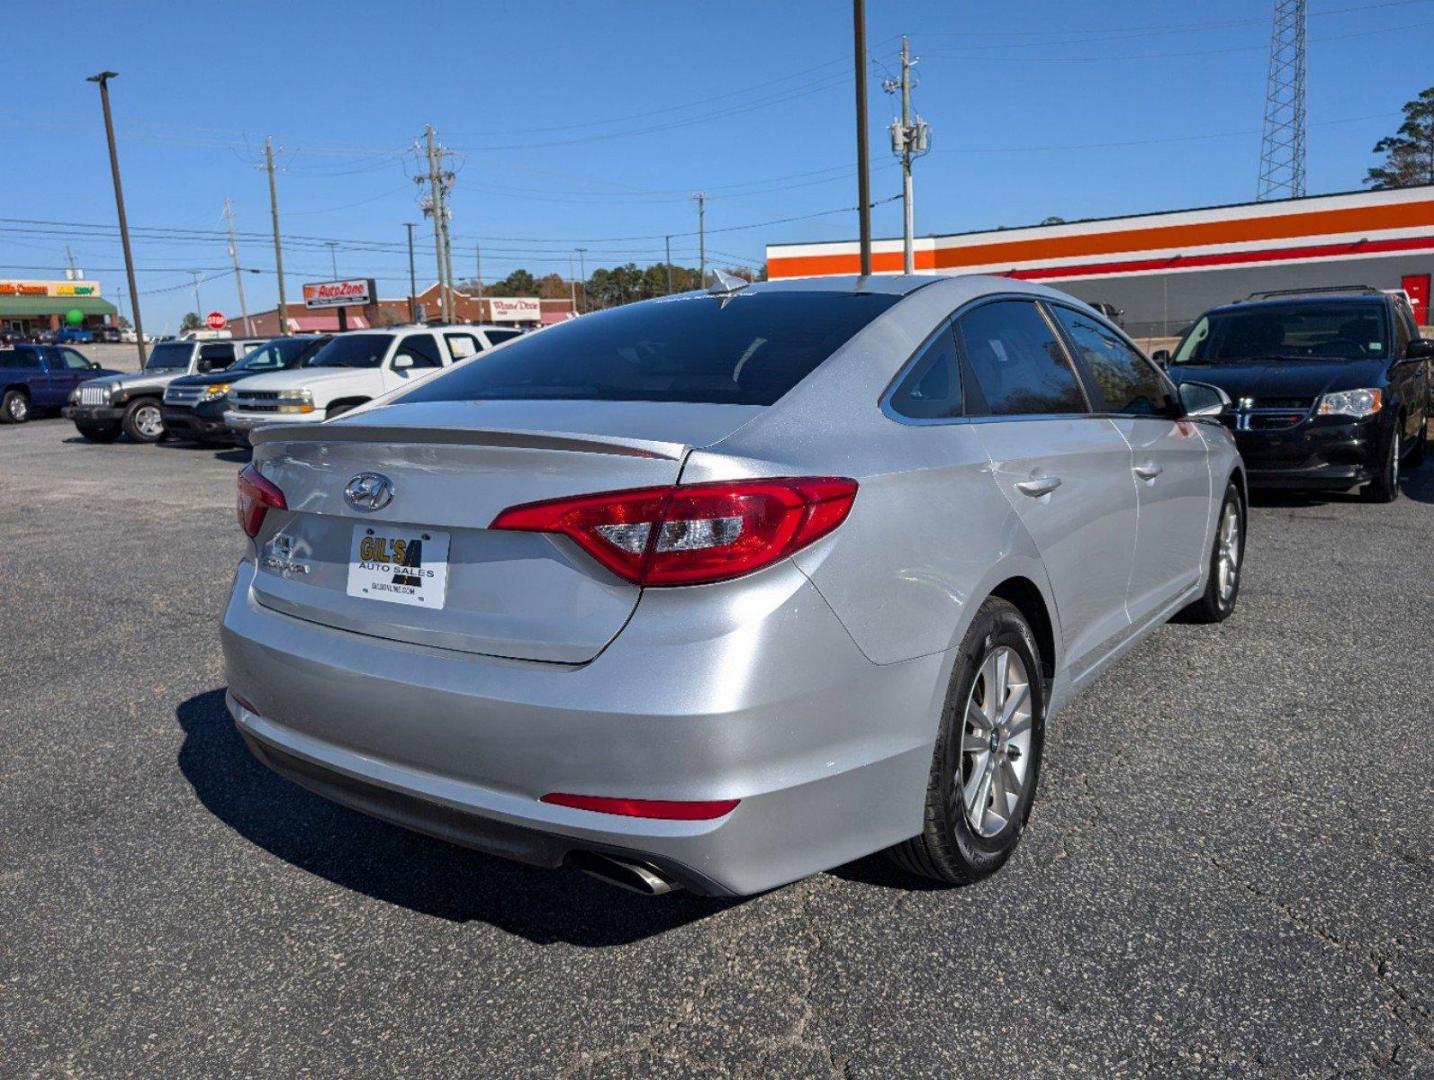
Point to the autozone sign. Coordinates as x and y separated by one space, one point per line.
515 309
327 294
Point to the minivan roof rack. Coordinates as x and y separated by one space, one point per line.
1368 290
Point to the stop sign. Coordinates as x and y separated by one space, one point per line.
215 320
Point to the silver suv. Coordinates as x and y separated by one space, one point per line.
724 589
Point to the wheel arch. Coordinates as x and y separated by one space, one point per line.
20 387
346 403
1026 596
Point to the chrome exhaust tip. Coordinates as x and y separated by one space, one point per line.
624 873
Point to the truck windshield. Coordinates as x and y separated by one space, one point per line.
276 355
742 349
170 355
352 350
1296 331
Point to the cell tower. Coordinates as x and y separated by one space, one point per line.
1282 151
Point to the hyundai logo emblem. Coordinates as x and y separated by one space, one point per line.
369 491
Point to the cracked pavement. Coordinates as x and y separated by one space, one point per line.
1228 872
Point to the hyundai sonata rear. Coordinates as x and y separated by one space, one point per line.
666 594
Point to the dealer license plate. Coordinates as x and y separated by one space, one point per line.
399 565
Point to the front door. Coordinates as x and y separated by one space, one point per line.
1065 471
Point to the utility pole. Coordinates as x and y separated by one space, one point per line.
333 246
863 178
572 285
701 198
910 138
238 276
103 79
437 206
667 246
278 250
198 306
478 261
583 272
70 258
412 280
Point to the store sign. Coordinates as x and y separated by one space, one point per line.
49 288
330 294
514 309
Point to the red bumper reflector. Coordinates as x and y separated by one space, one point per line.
665 809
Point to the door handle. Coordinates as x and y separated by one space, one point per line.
1147 471
1038 486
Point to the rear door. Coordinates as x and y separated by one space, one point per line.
1064 470
1169 463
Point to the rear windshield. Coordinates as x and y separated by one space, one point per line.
352 350
173 354
1296 331
744 349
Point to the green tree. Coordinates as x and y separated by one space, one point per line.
1409 153
191 321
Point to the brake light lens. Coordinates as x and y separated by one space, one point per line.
663 809
693 534
256 496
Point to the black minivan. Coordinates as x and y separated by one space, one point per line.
1329 388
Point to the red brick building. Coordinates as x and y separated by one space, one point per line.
395 312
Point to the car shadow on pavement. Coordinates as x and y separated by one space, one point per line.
405 868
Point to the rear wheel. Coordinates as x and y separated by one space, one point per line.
1222 586
15 408
988 753
1384 488
101 433
142 421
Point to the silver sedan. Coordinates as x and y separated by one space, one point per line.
727 588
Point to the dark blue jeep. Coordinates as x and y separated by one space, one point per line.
40 377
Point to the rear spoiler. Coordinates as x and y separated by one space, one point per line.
353 432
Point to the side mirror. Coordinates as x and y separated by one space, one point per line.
1202 399
94 365
402 362
1421 348
1161 357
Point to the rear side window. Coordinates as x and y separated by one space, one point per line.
1019 364
462 346
740 349
219 356
22 359
931 390
1128 384
497 337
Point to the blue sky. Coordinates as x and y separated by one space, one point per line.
589 124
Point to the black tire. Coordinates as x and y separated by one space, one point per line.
341 408
15 407
948 848
1215 604
1384 488
100 433
140 418
1415 457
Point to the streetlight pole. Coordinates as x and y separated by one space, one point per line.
412 280
583 273
198 306
103 79
333 257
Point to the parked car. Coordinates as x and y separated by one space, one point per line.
129 402
1331 388
351 370
721 590
110 334
194 405
37 378
1111 312
75 335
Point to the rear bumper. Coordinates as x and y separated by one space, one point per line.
828 753
1313 454
93 414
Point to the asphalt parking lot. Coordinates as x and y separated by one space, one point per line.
1228 872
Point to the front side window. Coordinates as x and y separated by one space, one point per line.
1019 364
746 348
931 390
1128 384
1302 330
169 356
72 359
353 351
422 348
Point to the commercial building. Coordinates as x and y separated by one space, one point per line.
28 307
1163 269
525 312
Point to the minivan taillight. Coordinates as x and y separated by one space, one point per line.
695 533
256 495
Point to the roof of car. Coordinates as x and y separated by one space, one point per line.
1351 297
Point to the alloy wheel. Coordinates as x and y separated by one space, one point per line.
996 742
148 422
19 408
1227 555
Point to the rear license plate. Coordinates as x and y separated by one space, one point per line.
400 565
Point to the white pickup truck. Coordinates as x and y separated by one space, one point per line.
353 369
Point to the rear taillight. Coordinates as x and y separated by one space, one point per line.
256 495
696 533
663 809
